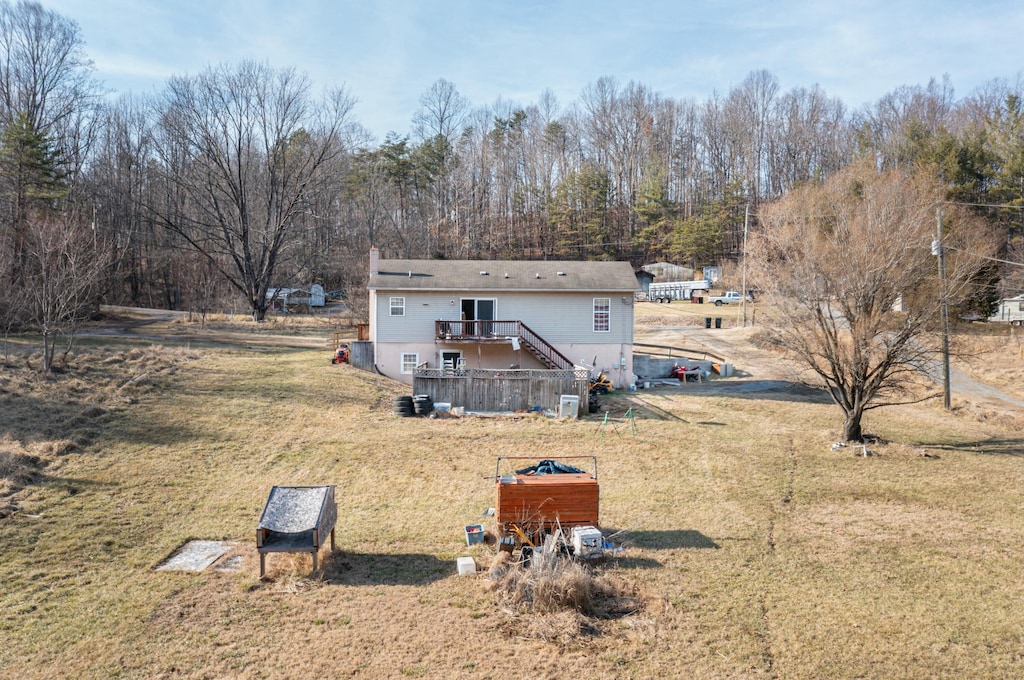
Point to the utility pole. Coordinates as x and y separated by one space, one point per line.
938 249
743 293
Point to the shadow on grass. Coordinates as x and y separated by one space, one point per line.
634 562
774 390
669 540
1008 446
366 569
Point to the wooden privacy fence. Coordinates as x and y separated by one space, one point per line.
481 389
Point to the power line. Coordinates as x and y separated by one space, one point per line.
1018 206
994 259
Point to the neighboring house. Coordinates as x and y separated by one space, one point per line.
1010 310
490 314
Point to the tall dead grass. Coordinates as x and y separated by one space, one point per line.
768 553
549 582
53 415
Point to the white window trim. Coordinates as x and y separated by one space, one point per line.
607 311
402 362
392 306
441 353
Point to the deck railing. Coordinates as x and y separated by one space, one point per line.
476 330
489 330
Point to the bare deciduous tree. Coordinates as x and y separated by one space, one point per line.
243 150
66 266
46 77
852 286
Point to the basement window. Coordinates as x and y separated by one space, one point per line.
602 315
409 362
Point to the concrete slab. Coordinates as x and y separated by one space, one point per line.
194 556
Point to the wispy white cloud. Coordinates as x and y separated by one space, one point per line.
388 53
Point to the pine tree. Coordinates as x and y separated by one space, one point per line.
31 182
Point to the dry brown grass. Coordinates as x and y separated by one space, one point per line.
754 549
993 353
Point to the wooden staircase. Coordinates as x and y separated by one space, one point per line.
542 349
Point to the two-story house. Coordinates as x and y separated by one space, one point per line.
501 315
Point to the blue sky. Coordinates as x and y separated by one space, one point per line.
387 53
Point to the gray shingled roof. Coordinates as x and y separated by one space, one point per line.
503 275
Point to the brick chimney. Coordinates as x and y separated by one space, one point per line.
374 260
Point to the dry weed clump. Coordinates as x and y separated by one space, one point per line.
552 582
18 468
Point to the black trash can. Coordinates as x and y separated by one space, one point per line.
718 322
707 322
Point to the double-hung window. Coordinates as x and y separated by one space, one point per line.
602 315
398 306
409 362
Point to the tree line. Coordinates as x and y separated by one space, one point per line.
243 177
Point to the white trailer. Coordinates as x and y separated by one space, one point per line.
1011 310
676 290
314 296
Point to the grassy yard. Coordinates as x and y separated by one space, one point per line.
755 549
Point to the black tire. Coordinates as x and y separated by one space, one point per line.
718 303
403 411
404 400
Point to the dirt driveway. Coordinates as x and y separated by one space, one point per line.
761 370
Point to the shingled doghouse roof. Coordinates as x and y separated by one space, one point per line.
510 275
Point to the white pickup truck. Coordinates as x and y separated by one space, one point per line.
730 297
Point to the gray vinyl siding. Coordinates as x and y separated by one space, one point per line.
558 317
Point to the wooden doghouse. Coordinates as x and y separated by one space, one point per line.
296 519
541 502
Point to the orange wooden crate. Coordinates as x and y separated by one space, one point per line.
567 499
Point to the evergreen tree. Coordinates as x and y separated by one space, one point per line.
31 182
